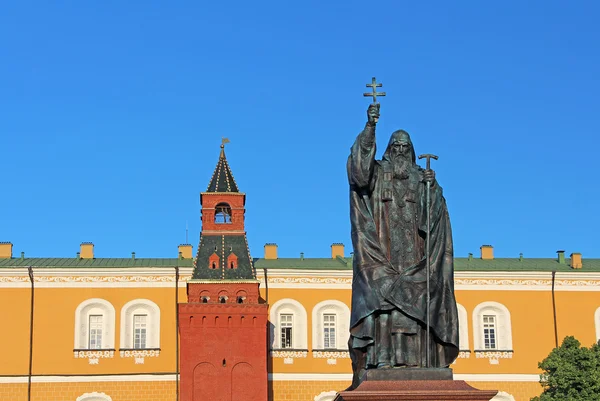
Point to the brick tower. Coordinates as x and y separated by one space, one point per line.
223 327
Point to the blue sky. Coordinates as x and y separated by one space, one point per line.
112 113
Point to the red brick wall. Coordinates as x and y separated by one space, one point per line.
223 353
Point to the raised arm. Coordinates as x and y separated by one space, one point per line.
361 162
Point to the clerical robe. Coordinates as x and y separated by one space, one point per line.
389 229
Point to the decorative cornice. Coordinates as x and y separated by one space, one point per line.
224 281
223 193
494 356
139 354
331 356
93 356
288 278
289 355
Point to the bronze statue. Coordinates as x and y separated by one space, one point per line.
390 299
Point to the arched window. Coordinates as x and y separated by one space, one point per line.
503 396
326 396
463 328
492 327
289 324
94 397
223 297
140 325
95 325
331 319
222 213
232 261
213 261
597 319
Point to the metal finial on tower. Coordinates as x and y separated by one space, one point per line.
223 142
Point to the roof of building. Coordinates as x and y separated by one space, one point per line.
95 262
220 249
460 264
222 179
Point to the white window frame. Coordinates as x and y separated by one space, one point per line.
140 307
342 312
463 328
94 306
503 326
94 397
490 327
597 319
299 330
330 330
284 325
142 325
99 327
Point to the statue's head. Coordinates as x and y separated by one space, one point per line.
400 148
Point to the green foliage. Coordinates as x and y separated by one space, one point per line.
571 373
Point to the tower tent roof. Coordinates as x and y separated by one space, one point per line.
222 179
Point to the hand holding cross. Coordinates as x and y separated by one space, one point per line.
373 111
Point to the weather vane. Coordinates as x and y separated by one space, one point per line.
223 142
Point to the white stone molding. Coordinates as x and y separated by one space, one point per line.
94 306
289 356
139 354
342 321
464 354
503 396
326 396
94 397
503 326
299 324
332 356
140 307
597 319
493 356
93 357
463 328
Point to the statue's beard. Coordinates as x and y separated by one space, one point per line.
401 163
400 157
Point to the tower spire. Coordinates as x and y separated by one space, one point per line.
222 179
223 252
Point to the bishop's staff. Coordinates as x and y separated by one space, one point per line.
428 156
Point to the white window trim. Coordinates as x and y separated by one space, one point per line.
299 328
342 328
597 319
140 307
94 397
503 326
463 328
94 306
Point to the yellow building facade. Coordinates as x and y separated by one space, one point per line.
106 328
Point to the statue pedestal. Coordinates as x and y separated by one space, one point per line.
416 384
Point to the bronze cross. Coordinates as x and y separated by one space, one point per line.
374 94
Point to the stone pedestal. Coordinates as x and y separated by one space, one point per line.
414 385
